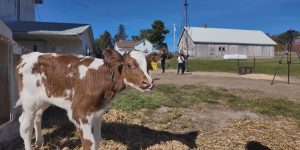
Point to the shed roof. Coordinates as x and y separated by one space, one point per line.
30 30
126 44
228 36
54 28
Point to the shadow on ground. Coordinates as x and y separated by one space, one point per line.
254 145
133 136
139 137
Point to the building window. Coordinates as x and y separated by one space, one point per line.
144 43
223 48
88 51
220 48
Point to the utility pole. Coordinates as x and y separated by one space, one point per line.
185 29
289 57
288 53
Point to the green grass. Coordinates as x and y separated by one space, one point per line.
266 66
131 100
271 107
170 116
186 96
164 95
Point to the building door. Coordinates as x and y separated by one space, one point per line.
221 51
4 83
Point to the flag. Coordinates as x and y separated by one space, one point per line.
174 28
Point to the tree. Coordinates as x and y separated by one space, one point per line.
158 34
101 43
135 38
105 40
282 39
121 34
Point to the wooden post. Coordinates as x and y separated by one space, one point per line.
238 66
254 65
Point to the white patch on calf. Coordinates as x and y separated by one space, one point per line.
94 65
70 75
69 65
82 71
68 93
54 55
28 61
133 85
141 60
93 122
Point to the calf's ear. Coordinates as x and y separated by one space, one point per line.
112 56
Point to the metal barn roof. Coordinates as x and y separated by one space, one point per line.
49 28
228 36
30 30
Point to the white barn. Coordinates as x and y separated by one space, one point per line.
214 43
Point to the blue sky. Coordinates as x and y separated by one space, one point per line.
270 16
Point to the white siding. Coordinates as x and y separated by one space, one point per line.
41 45
73 47
8 10
191 45
144 45
212 51
56 46
86 42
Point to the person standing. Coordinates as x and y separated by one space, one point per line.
183 64
163 62
180 60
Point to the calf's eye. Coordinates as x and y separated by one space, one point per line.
131 66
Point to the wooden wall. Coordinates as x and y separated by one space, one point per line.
4 86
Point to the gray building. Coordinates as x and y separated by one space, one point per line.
53 37
18 10
214 43
19 34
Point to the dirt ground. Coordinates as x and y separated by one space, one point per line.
203 126
259 84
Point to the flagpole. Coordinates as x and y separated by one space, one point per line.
174 38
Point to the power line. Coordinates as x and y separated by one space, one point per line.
113 18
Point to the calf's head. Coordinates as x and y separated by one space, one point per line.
133 68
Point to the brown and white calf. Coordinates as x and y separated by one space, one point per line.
83 86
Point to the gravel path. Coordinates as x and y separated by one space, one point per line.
258 83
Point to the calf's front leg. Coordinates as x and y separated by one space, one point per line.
90 134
